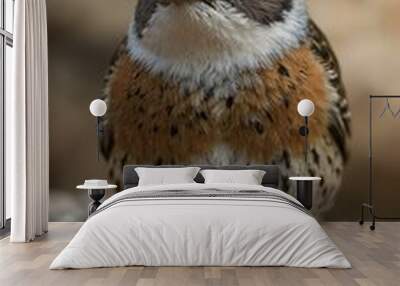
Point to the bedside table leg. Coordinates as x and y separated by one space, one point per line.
305 193
96 196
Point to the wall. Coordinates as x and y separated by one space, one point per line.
84 34
365 37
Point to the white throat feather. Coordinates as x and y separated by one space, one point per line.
194 41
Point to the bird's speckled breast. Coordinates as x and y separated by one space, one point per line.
252 117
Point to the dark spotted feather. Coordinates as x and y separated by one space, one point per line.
340 123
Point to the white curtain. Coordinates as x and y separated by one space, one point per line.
27 142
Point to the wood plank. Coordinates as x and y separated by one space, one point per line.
375 257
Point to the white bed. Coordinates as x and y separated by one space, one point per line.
206 230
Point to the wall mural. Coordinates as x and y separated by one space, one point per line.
218 82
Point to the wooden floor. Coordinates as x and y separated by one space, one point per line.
375 257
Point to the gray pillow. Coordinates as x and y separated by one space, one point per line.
166 176
244 177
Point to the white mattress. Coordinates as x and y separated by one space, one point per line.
200 232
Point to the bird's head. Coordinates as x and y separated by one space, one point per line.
221 32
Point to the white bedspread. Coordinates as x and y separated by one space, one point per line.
200 232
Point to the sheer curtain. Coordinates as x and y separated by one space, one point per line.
27 143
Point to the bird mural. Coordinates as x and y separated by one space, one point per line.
218 82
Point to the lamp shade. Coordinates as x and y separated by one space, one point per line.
306 108
98 108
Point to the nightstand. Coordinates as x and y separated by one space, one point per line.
305 190
96 193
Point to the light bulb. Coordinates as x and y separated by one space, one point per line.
98 107
306 108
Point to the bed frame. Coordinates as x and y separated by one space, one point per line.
271 178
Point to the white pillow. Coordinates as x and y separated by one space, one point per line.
166 176
245 177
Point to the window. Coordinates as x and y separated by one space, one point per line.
6 64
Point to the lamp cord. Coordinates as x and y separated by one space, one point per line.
306 142
98 138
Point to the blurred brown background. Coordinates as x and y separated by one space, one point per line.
83 35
